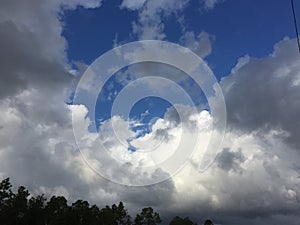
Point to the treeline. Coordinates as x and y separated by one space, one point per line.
22 209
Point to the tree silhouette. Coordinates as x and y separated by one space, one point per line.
21 209
208 222
79 213
36 214
6 202
180 221
120 214
107 216
147 217
57 211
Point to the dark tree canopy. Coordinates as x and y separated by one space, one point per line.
180 221
21 209
147 217
208 222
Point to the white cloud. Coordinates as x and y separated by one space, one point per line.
256 172
255 159
251 173
132 4
152 13
210 4
150 23
201 44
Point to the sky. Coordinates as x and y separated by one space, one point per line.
188 106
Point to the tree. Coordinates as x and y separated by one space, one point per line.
115 215
6 202
19 209
180 221
208 222
147 217
57 211
120 214
36 210
95 215
80 213
106 216
5 192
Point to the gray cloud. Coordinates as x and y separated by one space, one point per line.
228 160
34 82
25 60
37 147
201 44
32 48
263 94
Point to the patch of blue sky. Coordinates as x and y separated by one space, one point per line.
239 27
146 111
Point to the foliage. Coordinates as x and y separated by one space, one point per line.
22 209
208 222
180 221
147 217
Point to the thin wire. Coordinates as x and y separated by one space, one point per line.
296 26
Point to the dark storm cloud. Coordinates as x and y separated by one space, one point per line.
228 160
34 79
263 94
25 59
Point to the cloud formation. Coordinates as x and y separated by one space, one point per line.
201 44
261 94
151 25
254 179
32 48
210 4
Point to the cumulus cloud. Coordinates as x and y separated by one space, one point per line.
34 82
255 176
37 146
201 44
132 4
252 175
228 160
261 94
247 180
150 23
32 48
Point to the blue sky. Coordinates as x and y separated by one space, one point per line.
237 28
240 28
